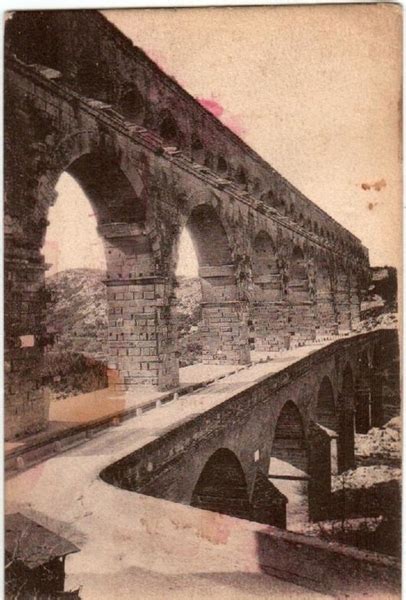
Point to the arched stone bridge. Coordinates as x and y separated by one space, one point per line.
275 269
279 439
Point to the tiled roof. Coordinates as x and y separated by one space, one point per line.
32 544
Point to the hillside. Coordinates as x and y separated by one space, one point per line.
77 314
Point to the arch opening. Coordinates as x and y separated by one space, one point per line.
222 166
132 106
289 464
198 152
326 416
222 486
169 130
75 359
220 312
189 299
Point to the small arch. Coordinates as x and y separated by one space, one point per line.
132 105
222 166
256 187
326 411
169 129
242 177
209 160
222 486
198 154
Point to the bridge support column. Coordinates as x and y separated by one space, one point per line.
225 318
270 320
268 503
362 408
142 342
302 323
346 441
26 402
355 307
343 303
326 313
320 473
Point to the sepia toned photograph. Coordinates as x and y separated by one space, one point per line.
202 303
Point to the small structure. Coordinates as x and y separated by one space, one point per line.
35 560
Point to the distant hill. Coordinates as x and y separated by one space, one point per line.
77 313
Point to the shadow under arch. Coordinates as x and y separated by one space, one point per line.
326 414
222 486
289 464
110 192
327 417
346 438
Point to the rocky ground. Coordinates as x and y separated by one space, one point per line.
366 501
381 445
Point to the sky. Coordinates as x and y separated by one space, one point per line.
315 90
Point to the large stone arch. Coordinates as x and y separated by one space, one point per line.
222 486
224 327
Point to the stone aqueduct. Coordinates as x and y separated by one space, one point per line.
274 268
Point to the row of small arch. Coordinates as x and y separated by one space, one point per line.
132 105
